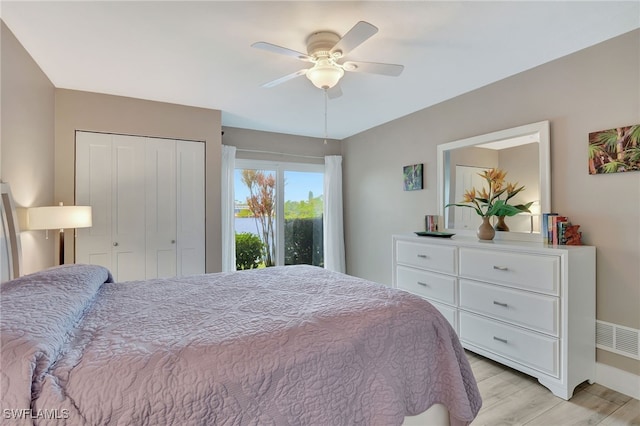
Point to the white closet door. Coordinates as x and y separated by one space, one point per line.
93 188
467 177
147 196
190 208
128 219
160 188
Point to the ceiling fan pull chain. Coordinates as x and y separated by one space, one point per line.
325 116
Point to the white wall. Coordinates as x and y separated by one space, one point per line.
594 89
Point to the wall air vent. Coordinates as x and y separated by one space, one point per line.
618 339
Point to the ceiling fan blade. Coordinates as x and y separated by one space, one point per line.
285 78
392 70
355 37
334 92
281 50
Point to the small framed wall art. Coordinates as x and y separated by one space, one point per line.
614 150
412 177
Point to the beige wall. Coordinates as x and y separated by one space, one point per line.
77 110
26 141
299 148
594 89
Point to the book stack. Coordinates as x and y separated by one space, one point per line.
558 230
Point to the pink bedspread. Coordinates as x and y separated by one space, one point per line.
294 345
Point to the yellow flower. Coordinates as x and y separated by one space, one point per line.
483 194
488 201
494 175
469 196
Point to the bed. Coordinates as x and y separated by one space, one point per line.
288 345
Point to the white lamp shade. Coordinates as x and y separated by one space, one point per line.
58 217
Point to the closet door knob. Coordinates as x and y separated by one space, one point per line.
115 244
173 241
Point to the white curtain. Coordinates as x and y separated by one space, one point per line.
333 233
228 206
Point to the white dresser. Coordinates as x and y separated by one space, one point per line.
525 305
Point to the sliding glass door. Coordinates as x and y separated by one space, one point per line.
278 214
303 209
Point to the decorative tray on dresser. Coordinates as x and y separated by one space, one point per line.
526 305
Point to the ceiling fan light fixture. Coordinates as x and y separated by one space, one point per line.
324 50
324 74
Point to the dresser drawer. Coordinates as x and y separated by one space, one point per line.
529 271
427 284
531 310
528 348
435 258
449 313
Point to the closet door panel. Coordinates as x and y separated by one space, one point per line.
160 189
128 220
148 205
190 208
93 187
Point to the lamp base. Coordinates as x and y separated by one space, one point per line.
61 254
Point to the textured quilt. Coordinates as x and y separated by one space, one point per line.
293 345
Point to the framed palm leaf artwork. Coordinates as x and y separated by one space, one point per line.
614 150
412 177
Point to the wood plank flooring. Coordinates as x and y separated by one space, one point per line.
513 398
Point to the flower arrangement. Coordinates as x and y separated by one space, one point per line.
495 202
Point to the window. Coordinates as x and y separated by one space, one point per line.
278 214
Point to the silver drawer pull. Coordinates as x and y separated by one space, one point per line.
500 268
423 284
500 339
423 256
504 305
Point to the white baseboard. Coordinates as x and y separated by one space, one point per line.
618 380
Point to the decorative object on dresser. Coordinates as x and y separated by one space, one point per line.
431 223
524 304
558 230
493 201
486 231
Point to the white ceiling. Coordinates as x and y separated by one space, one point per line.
199 53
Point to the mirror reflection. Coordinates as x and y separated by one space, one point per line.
521 152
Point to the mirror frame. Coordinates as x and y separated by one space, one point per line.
542 129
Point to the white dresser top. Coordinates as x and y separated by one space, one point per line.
466 241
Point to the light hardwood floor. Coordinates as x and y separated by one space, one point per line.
512 398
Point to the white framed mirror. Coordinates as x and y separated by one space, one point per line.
522 152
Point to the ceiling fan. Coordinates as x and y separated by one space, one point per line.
325 50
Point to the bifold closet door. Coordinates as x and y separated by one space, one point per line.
147 197
190 208
160 189
175 208
93 188
109 179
